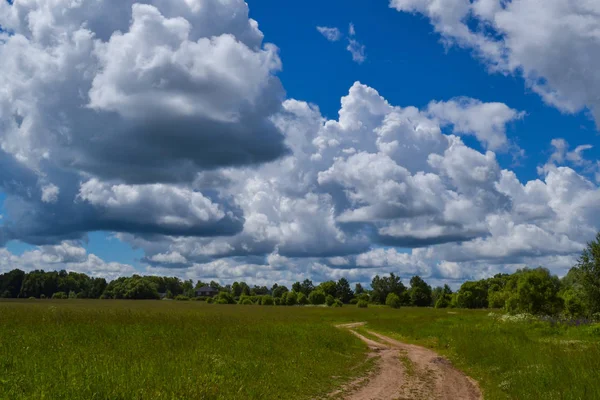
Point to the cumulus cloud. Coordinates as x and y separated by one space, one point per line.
487 121
140 101
171 132
159 85
66 255
387 175
331 34
553 45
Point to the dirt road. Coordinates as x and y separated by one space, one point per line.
405 371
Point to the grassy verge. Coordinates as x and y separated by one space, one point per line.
511 360
169 350
172 350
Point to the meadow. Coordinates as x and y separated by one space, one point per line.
110 349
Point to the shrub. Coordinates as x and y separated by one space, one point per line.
42 296
362 304
442 302
225 298
267 301
392 300
329 300
316 297
210 300
246 302
32 298
277 301
338 303
181 297
302 299
291 299
283 299
363 296
60 296
354 301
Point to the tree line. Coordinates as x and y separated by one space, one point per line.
534 291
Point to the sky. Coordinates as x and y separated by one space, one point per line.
270 142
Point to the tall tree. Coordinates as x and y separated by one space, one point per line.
307 286
382 286
589 265
420 292
343 291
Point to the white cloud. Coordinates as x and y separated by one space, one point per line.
331 34
66 255
554 45
357 50
351 29
487 121
50 193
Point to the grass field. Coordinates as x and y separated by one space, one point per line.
77 349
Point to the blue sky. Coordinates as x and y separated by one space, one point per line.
413 57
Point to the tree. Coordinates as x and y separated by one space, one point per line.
329 300
236 289
343 290
358 289
473 295
534 291
11 282
386 285
589 266
267 300
328 287
392 300
307 287
296 287
420 292
302 299
278 291
291 299
316 297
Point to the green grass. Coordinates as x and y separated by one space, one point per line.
77 349
525 360
169 350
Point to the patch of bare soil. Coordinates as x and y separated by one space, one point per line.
405 371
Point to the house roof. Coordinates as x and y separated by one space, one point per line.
206 289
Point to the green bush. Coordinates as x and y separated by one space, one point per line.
246 302
338 303
60 296
443 302
316 297
181 297
362 304
225 298
210 300
277 301
302 299
32 298
354 301
291 299
42 296
392 300
363 296
267 301
329 300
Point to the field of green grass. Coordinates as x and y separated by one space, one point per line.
95 349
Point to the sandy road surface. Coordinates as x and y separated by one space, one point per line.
405 371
